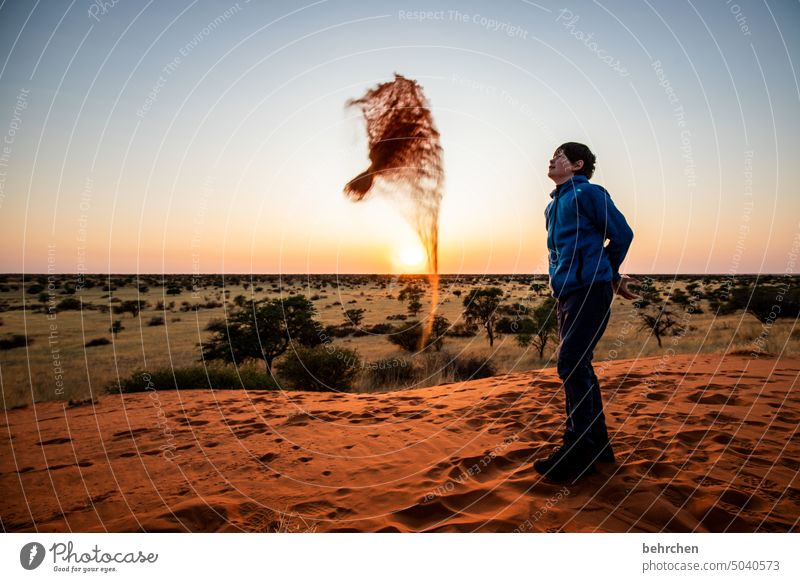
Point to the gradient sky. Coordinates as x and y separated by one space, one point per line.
212 136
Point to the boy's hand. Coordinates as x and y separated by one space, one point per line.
621 287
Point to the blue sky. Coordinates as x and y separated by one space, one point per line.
212 136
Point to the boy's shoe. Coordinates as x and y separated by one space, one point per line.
569 462
605 454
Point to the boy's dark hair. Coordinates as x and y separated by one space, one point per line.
577 151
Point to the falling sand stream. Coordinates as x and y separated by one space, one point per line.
405 165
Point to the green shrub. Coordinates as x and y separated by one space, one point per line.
524 340
16 340
463 330
196 377
339 330
380 328
155 320
516 325
471 368
98 341
322 368
69 304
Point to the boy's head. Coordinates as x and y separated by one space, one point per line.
571 159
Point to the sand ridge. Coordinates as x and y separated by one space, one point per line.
708 443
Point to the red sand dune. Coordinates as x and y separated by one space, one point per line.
711 444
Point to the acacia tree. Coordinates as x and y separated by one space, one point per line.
480 306
545 324
264 332
354 316
764 302
413 293
656 314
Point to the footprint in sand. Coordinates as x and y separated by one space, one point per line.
701 397
131 433
57 441
299 419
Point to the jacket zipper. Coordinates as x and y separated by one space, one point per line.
552 234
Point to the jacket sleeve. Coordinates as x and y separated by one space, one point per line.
600 210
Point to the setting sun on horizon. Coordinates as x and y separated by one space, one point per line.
411 256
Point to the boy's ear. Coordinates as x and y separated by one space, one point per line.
577 165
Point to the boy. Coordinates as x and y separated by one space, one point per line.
584 275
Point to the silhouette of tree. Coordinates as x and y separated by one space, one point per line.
480 306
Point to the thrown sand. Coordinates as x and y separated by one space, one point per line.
708 444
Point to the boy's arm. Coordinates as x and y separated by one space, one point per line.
609 220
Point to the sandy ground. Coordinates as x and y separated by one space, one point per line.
704 443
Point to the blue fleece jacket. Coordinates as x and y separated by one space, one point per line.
579 219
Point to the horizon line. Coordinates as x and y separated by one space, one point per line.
4 274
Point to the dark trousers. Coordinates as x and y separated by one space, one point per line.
582 318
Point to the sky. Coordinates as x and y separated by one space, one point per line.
213 137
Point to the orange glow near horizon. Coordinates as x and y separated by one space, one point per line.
409 258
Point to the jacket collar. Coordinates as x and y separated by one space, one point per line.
577 179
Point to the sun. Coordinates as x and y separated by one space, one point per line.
410 256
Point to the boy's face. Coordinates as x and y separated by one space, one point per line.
561 169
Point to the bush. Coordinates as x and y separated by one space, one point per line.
463 330
524 340
17 340
389 372
98 341
339 330
380 328
195 377
320 368
155 320
409 336
116 327
516 325
761 302
69 304
471 368
132 306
